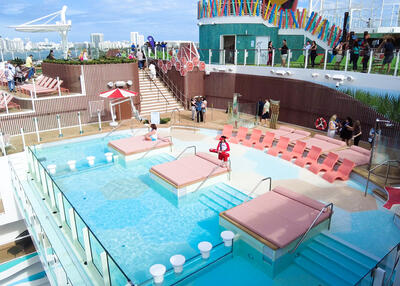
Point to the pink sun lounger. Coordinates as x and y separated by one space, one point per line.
227 132
280 147
189 170
137 144
282 131
254 138
297 151
240 136
358 155
327 165
297 135
324 142
312 157
267 141
278 217
393 197
342 173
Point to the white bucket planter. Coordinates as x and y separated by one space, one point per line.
109 157
227 236
158 271
205 248
177 262
52 169
90 160
72 165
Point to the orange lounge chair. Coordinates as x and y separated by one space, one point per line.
297 151
326 166
342 173
267 141
254 138
280 147
240 136
227 132
393 197
312 157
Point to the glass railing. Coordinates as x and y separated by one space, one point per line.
299 58
78 232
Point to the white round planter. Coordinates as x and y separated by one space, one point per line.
52 169
109 157
90 160
177 262
205 248
113 124
158 271
227 236
72 165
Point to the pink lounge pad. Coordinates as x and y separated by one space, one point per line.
188 170
358 155
279 217
137 144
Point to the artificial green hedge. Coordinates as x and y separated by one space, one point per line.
92 62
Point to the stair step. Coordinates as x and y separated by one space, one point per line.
345 260
320 272
334 267
228 189
219 201
349 251
210 204
226 196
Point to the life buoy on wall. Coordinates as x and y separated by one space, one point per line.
320 123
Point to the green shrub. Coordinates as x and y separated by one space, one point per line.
18 61
165 120
99 61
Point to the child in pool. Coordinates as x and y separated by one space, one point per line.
152 135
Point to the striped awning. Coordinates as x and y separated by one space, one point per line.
118 93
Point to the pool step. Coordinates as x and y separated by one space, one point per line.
334 261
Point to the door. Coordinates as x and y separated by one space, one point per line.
123 111
262 45
229 46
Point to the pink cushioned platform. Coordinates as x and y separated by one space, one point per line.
324 142
297 134
280 216
137 144
188 170
282 131
358 155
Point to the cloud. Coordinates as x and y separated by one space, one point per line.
13 8
74 12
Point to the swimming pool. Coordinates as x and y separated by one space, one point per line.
141 223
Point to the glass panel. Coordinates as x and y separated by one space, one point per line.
56 192
67 207
116 276
96 251
79 226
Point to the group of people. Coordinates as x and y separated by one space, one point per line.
14 74
310 52
263 110
284 53
199 108
346 129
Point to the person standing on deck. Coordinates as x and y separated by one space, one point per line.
284 53
29 64
10 75
366 52
198 110
204 108
266 108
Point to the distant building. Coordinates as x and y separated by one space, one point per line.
137 39
96 39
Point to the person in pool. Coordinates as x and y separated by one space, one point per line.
152 135
222 149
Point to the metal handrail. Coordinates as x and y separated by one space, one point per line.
313 223
158 89
259 183
212 172
172 87
388 163
173 112
155 146
184 150
115 129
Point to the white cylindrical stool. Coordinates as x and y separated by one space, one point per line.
177 262
109 157
205 248
227 236
90 160
72 165
52 169
158 271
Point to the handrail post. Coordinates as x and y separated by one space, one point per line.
245 56
306 60
371 59
347 60
289 57
326 59
209 56
396 68
273 57
258 56
236 55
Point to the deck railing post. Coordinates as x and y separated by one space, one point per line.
80 123
347 60
73 224
209 56
326 59
236 55
258 56
58 86
371 59
34 87
99 118
289 56
23 138
245 57
223 57
396 68
273 57
35 121
59 126
5 102
306 59
106 272
86 240
3 145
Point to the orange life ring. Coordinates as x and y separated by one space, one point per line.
320 123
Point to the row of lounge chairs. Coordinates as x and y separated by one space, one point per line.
335 151
44 85
6 102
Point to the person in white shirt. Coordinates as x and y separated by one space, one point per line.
10 75
307 51
140 58
204 108
153 72
265 114
152 135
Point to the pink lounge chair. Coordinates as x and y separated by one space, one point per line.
297 135
326 166
8 101
393 197
280 147
358 155
282 131
254 138
297 151
312 157
267 141
240 136
342 173
227 132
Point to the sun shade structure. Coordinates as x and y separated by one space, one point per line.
118 93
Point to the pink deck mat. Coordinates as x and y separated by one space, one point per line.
188 170
277 217
137 144
358 155
324 142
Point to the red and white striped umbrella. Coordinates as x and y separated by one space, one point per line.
118 93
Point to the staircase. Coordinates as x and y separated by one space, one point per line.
152 100
333 261
222 197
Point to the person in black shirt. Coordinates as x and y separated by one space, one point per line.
270 53
365 51
389 54
284 52
313 53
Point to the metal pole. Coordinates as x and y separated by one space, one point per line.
223 57
326 59
5 102
371 156
99 117
58 86
258 56
347 60
3 146
236 55
209 56
36 128
33 101
80 123
23 138
2 56
289 56
306 60
59 126
34 87
245 57
163 53
371 59
155 52
396 68
273 57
